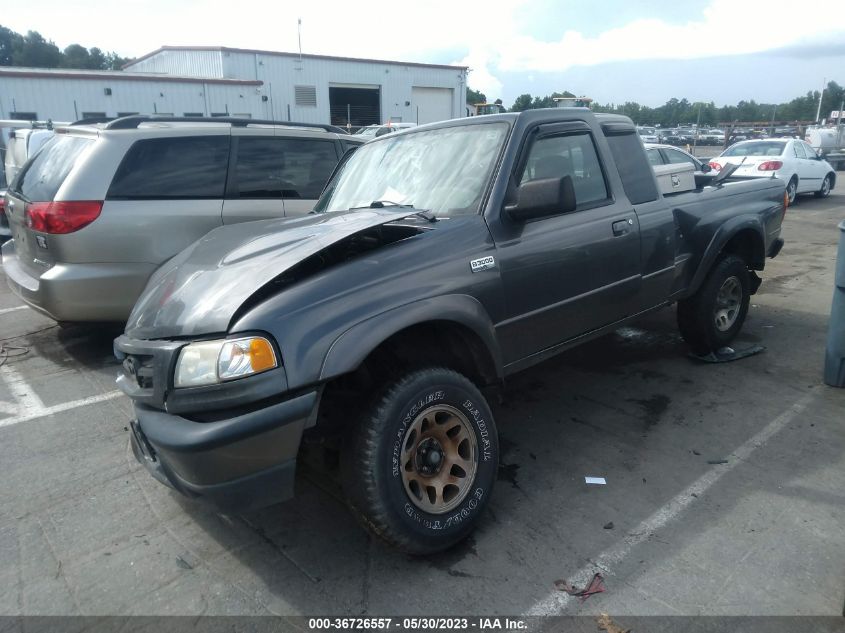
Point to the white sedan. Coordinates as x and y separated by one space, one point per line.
791 160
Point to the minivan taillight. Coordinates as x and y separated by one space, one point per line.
62 217
2 207
770 165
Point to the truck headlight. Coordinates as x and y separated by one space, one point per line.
212 362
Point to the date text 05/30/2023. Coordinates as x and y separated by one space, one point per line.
421 623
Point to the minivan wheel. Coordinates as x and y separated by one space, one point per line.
824 192
420 466
712 317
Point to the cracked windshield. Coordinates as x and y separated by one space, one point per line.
442 171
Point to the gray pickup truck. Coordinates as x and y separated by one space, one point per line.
438 262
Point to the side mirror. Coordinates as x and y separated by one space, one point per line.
706 168
542 198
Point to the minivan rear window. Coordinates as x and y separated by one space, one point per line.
174 168
40 179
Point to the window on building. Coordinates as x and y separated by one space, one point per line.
194 114
219 114
23 116
283 168
120 114
172 168
93 115
305 96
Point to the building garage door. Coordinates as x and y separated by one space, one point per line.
431 104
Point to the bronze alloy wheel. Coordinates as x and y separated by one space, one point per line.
728 304
439 459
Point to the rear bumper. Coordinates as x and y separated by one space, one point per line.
236 464
77 292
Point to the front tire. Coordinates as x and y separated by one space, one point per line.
713 316
419 468
827 185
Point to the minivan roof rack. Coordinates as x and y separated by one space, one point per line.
132 122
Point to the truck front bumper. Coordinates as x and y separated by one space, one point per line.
236 463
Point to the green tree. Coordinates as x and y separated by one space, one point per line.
9 43
33 50
475 96
75 56
523 102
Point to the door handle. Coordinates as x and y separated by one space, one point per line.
622 227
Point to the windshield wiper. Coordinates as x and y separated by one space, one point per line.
381 204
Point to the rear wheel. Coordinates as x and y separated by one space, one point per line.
713 316
792 189
420 467
827 185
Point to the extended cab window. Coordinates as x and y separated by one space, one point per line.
182 167
637 176
270 167
570 155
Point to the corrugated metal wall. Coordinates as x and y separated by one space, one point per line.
281 73
67 99
186 63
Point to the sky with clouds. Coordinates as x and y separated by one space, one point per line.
612 50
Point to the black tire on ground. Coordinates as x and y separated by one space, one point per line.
713 316
401 441
824 192
792 190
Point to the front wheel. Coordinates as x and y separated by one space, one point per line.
824 192
420 466
713 316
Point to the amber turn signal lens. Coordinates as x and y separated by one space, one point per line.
262 355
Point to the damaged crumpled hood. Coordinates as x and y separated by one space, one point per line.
199 290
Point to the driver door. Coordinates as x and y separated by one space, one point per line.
569 273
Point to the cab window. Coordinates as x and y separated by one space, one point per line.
570 155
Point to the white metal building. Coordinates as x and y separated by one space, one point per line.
260 84
69 95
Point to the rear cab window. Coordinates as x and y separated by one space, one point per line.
41 179
637 176
172 168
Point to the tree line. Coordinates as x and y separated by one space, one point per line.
682 111
34 51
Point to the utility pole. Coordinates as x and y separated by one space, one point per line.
819 109
299 37
772 127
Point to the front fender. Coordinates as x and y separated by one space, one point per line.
723 234
351 348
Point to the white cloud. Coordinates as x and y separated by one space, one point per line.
489 39
729 27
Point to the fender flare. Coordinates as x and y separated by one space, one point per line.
717 243
350 349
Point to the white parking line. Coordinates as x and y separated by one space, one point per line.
58 408
555 603
28 406
5 310
28 401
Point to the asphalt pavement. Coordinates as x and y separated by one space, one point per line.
724 495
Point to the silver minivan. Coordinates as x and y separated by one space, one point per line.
102 206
